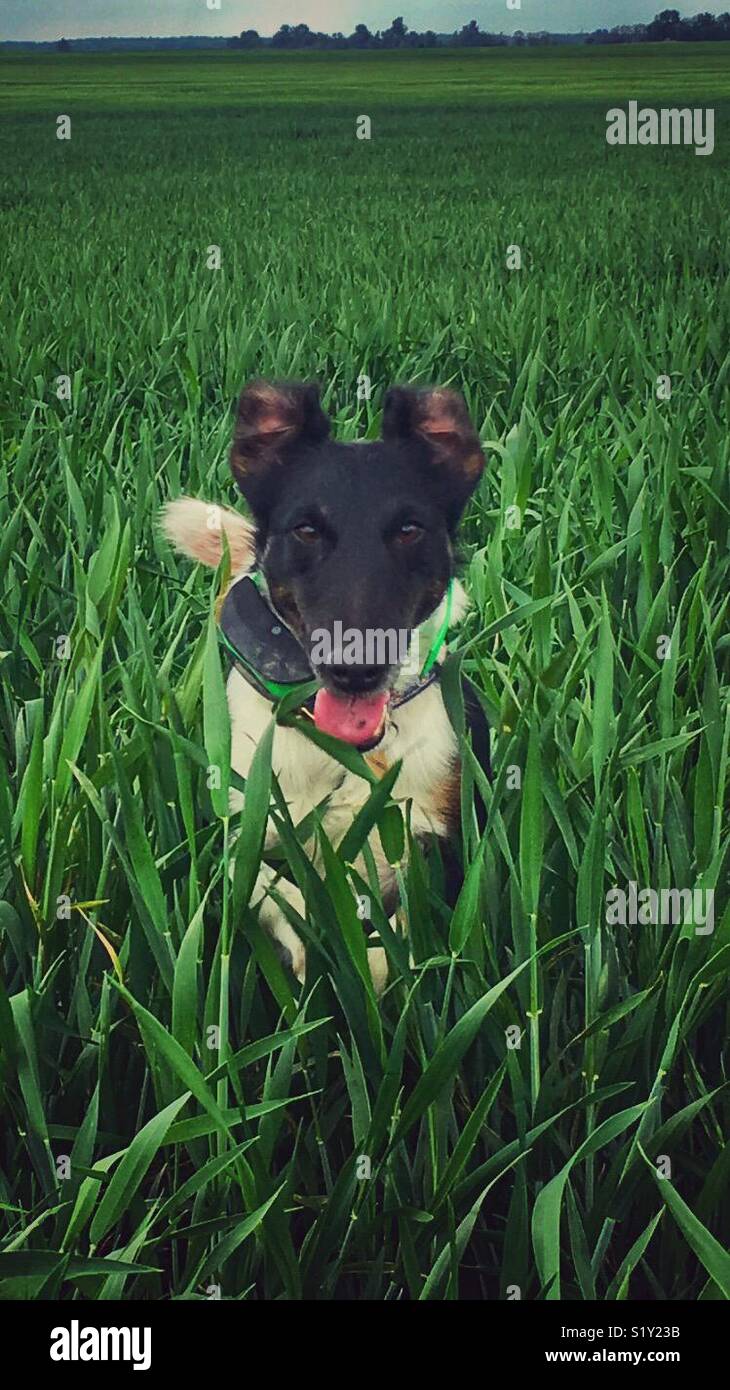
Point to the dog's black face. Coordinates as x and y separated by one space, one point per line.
354 536
355 539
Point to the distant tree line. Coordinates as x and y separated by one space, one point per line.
668 24
397 35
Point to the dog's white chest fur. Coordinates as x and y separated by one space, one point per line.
419 734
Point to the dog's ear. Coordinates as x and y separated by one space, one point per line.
273 419
438 418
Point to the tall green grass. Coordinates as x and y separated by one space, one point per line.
178 1117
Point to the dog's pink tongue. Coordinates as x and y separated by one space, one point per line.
354 719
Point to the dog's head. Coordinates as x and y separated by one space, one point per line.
354 540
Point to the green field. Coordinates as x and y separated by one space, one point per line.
137 1160
687 72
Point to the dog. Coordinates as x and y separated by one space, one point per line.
354 539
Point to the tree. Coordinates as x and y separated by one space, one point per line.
666 25
701 27
250 38
470 35
304 37
362 38
395 36
283 38
63 46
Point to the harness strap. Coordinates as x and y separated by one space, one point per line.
250 676
415 689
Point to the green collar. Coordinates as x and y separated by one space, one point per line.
435 649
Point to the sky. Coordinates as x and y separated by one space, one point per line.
52 19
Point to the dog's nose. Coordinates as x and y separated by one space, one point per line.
357 680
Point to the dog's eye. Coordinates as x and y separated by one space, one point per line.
305 532
408 533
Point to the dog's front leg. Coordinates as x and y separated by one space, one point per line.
273 919
279 927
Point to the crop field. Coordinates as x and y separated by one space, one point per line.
538 1106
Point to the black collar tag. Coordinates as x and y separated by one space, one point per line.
257 635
